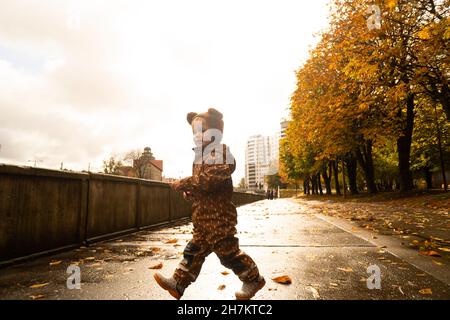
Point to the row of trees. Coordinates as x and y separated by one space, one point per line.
372 99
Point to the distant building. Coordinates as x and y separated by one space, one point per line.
257 159
284 124
262 156
144 167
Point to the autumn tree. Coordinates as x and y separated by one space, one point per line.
360 89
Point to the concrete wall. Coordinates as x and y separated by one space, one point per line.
42 210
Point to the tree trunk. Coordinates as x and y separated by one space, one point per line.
441 154
336 178
313 185
428 177
327 177
404 147
364 157
351 173
319 184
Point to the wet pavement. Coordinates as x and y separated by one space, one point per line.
324 258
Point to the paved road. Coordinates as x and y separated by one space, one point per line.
324 258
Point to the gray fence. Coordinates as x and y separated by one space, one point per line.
44 211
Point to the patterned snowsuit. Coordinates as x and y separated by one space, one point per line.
214 218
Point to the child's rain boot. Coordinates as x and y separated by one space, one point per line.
170 284
250 288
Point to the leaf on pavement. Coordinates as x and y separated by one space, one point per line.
39 285
426 291
37 297
221 287
335 284
282 280
430 253
55 263
96 264
156 266
437 263
171 241
346 269
225 273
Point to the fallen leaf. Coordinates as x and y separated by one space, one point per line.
346 269
444 249
89 258
333 284
37 297
282 279
225 273
156 266
97 264
40 285
55 263
155 249
437 263
430 253
426 291
171 241
221 287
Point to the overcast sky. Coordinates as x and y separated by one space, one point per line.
83 80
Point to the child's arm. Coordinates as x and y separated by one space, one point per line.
210 179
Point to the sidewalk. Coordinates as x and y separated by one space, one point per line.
325 260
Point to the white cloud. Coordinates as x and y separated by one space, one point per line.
126 78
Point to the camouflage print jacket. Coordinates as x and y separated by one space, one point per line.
210 187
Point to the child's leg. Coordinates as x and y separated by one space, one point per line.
193 257
233 258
